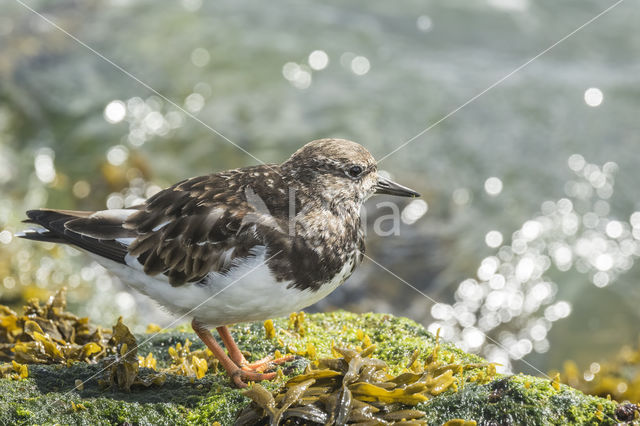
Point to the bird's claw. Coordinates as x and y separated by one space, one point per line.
266 363
239 377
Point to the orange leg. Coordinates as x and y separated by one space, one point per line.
237 357
238 375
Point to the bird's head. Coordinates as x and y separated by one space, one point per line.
341 171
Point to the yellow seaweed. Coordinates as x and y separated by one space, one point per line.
460 422
191 364
373 393
314 374
14 371
355 388
270 331
46 334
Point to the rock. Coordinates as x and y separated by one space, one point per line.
50 393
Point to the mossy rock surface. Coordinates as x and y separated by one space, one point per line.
47 395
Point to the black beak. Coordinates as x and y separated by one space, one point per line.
387 186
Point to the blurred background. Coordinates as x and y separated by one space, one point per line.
528 232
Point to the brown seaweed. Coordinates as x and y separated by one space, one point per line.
358 389
122 368
47 334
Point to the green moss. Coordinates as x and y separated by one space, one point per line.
521 400
45 397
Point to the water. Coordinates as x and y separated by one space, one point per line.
77 132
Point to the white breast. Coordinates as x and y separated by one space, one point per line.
247 293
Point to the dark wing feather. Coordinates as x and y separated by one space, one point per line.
96 235
198 225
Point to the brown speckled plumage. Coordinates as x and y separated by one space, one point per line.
210 223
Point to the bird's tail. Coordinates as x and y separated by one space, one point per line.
51 224
95 232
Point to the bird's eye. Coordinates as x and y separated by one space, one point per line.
354 171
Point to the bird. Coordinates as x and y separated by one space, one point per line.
236 246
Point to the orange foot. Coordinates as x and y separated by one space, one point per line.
264 364
255 371
239 377
235 363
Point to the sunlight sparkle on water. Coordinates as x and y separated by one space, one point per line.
414 211
424 23
473 337
512 297
81 189
117 155
200 57
576 162
43 163
318 60
194 102
493 239
600 279
531 229
5 237
298 75
493 186
562 256
115 111
593 96
461 196
360 65
614 229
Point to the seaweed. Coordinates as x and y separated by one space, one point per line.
356 388
192 364
47 334
14 370
123 368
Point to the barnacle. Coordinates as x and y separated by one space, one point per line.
355 388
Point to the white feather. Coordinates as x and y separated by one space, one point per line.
248 293
162 225
116 214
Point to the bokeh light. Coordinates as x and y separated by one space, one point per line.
115 111
593 97
493 186
318 60
424 23
513 299
200 57
360 65
493 239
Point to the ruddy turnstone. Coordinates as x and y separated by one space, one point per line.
241 245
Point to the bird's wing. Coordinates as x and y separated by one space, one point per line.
199 225
195 227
